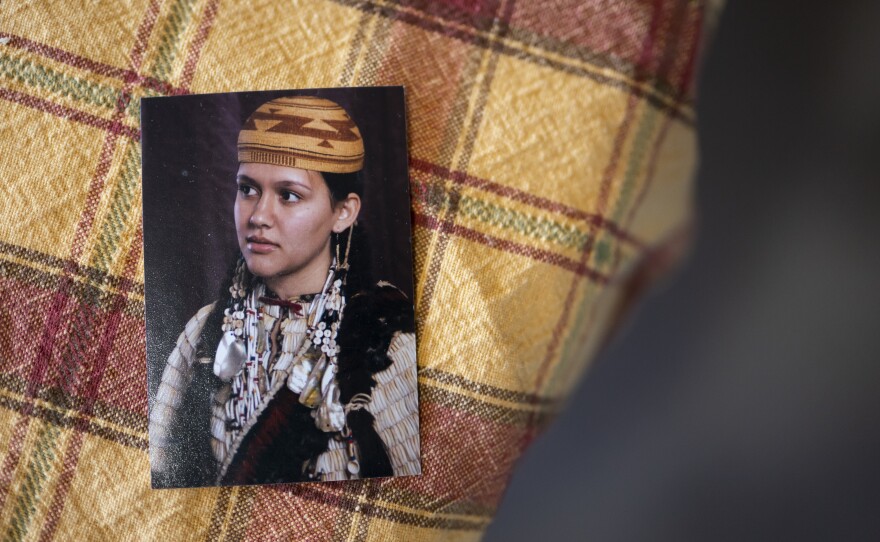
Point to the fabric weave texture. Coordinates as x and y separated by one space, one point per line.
552 146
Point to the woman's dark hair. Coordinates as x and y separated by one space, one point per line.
343 184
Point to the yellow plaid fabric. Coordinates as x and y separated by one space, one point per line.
551 151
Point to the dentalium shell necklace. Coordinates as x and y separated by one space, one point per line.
249 353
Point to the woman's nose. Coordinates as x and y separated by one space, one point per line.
262 215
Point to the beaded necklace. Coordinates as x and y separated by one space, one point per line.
250 357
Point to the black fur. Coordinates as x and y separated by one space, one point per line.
370 322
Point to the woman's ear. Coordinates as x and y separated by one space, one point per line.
347 210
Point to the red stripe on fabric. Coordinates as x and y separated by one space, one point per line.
122 386
44 352
481 83
34 379
462 178
683 85
96 187
98 362
97 183
38 371
71 456
113 126
136 55
83 63
604 189
192 58
544 256
65 57
89 392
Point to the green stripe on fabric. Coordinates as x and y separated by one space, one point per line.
25 507
34 75
118 216
538 228
175 25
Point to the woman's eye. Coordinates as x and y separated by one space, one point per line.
246 190
290 196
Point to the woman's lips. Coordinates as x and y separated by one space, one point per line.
258 245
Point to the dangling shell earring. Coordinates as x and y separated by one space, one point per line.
343 263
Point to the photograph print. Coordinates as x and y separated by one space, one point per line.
278 283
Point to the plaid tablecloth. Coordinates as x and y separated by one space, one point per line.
551 149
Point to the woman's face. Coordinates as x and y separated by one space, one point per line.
284 218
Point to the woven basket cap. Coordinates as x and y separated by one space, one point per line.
305 132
